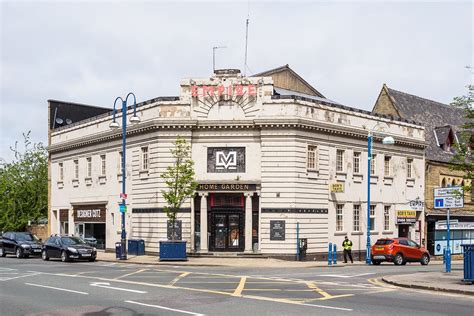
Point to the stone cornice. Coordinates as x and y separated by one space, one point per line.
169 124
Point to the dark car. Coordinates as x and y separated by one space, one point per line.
68 248
21 244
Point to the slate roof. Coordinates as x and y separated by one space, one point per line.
434 116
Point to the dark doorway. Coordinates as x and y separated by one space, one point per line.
403 231
227 227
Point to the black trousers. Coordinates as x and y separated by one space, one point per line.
347 252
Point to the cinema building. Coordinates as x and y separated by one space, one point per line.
273 158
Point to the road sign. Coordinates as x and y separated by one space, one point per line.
452 197
123 196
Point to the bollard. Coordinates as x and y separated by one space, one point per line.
334 253
330 254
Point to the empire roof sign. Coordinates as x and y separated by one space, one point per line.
221 90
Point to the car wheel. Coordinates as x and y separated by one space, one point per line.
375 262
19 253
2 252
91 259
398 260
425 259
64 257
44 255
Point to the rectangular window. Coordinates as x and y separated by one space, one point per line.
356 218
356 162
339 160
312 157
386 166
89 167
144 158
119 163
386 218
103 165
61 171
372 217
409 168
373 165
339 217
76 169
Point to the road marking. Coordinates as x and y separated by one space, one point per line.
240 287
57 288
17 277
343 275
129 274
106 285
165 308
179 277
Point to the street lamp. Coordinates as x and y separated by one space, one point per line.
114 125
388 140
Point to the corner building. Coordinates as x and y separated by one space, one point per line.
271 154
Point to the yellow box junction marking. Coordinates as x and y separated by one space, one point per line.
238 290
179 277
129 274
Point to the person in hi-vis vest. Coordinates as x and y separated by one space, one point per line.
347 246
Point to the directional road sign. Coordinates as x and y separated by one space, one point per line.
452 197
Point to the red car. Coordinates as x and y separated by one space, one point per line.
399 251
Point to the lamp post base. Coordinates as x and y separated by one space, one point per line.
123 253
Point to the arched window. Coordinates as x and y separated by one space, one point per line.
443 183
453 182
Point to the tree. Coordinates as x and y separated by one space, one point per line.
462 159
179 178
24 186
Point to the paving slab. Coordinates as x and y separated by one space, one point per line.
434 281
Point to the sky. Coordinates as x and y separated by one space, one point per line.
90 52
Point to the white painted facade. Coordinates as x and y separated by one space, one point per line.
275 132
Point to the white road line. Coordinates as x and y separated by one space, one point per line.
328 307
57 288
106 285
343 275
165 308
17 277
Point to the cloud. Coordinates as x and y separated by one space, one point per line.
91 52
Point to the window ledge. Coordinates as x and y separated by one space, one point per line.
388 180
88 181
358 177
374 232
357 233
60 184
341 175
340 233
119 177
387 232
410 182
312 173
75 182
102 179
143 174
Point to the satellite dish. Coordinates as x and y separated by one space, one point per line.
59 121
68 121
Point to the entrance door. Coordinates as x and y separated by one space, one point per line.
403 231
79 230
227 232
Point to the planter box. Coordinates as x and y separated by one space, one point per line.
173 250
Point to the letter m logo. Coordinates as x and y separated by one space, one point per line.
226 161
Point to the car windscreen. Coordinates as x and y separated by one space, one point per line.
384 242
25 237
72 241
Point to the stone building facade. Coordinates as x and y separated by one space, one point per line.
442 127
271 157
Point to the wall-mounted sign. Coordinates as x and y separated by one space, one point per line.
336 187
221 90
416 204
90 213
277 230
406 216
177 230
227 187
225 159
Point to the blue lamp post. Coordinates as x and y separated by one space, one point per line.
386 141
114 125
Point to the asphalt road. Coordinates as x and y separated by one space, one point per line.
33 287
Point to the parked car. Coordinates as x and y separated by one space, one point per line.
68 248
21 244
399 251
90 240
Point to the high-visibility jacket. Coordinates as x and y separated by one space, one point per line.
347 245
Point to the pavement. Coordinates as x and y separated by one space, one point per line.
434 281
35 287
